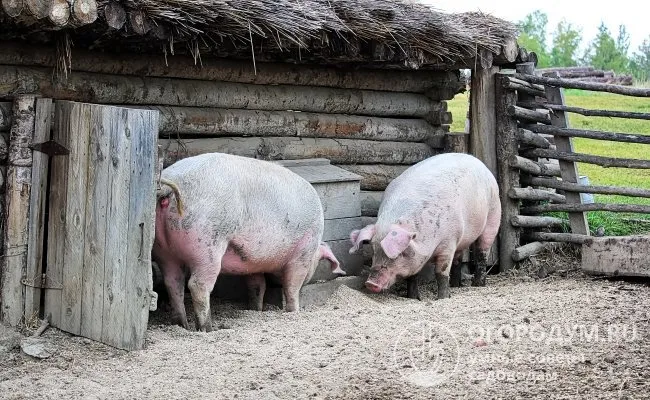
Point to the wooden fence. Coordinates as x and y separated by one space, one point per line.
537 162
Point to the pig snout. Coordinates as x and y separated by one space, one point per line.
373 287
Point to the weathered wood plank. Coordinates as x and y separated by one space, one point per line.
597 135
339 200
524 115
119 173
568 169
598 113
574 84
575 187
219 69
78 123
456 142
570 156
315 174
340 228
617 256
338 151
529 138
535 194
37 204
370 202
5 116
57 214
533 167
526 221
483 121
581 208
17 199
375 177
101 124
143 126
115 89
574 238
531 249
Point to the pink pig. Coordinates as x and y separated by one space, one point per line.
239 216
432 212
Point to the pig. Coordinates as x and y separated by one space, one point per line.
432 212
239 216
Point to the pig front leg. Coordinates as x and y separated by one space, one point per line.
412 287
174 278
256 288
443 267
201 284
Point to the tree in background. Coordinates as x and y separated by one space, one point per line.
640 62
566 40
606 53
533 36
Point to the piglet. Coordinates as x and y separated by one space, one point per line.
239 216
432 212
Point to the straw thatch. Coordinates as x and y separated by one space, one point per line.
300 30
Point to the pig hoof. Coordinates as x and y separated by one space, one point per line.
205 328
444 296
478 281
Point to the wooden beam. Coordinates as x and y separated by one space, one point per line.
617 256
344 151
37 204
575 187
115 89
482 138
506 130
17 199
581 208
527 221
598 135
456 142
529 138
568 169
535 194
525 87
534 167
573 84
219 69
597 113
5 116
509 52
558 237
531 249
377 176
370 202
528 115
589 159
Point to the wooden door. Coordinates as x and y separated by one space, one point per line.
101 222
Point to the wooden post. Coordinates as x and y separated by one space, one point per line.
17 198
482 138
506 140
568 169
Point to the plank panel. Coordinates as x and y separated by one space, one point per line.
340 228
78 125
339 199
37 204
617 256
96 222
143 126
119 170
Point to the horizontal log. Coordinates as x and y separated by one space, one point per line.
509 52
276 148
528 115
626 208
597 135
5 116
606 162
376 177
370 202
523 86
575 187
529 138
597 113
531 249
527 221
229 122
114 89
557 237
535 194
533 167
365 221
217 69
562 69
574 84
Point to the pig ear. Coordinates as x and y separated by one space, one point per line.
396 241
357 237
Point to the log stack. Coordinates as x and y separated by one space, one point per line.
590 74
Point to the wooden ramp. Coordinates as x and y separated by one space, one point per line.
617 256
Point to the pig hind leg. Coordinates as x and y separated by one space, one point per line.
296 273
482 247
174 278
256 288
201 284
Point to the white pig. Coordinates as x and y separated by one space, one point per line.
432 212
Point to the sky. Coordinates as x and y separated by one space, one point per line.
584 14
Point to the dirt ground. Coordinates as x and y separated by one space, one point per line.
525 335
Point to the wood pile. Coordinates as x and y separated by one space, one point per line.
590 74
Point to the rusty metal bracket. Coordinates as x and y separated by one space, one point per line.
41 282
51 148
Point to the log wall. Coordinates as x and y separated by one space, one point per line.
371 122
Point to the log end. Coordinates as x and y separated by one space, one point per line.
59 12
115 15
84 11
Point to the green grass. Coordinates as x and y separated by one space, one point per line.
613 223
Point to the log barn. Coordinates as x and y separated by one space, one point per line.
97 95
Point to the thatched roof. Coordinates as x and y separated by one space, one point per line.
395 31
